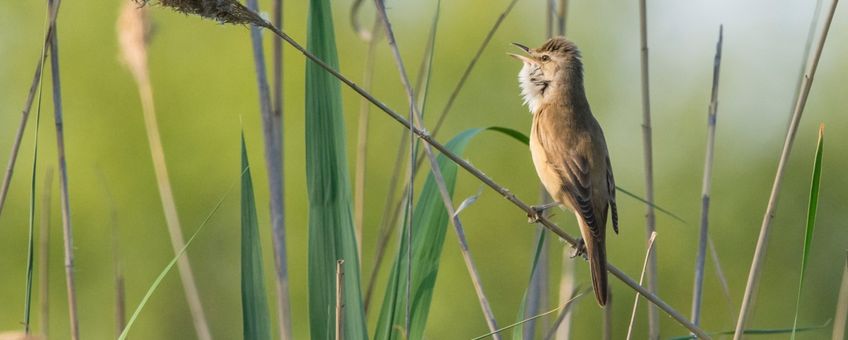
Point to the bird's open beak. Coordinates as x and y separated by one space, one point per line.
522 47
519 57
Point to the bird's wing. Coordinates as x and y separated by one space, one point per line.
611 188
577 185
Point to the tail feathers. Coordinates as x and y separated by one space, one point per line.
598 264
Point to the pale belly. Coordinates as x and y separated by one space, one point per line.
549 177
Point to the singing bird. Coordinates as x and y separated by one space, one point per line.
568 147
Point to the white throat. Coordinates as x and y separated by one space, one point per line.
532 85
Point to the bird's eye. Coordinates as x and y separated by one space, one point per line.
545 57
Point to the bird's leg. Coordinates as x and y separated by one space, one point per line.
579 248
538 210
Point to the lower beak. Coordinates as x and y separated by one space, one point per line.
521 58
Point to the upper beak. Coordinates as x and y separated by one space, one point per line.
525 48
521 58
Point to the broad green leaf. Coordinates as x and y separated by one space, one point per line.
331 230
811 219
429 225
254 303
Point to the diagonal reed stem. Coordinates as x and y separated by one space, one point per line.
700 257
771 208
439 179
647 142
36 81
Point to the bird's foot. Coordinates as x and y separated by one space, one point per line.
538 210
579 248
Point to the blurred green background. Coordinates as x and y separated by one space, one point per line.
204 86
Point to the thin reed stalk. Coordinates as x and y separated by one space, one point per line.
641 278
44 252
556 331
470 67
771 209
389 218
63 174
840 317
700 257
647 143
339 299
283 305
439 179
608 322
273 137
567 289
131 30
33 87
390 37
117 265
362 138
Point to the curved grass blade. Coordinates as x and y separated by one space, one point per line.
169 266
429 225
331 229
760 331
563 307
811 220
254 303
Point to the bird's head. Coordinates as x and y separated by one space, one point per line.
547 69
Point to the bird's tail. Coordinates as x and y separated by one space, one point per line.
597 254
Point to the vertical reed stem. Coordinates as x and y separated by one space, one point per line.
700 257
771 208
339 299
650 219
63 175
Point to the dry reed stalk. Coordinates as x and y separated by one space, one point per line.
641 278
36 81
841 315
647 142
362 138
67 229
771 209
339 299
700 257
282 282
132 37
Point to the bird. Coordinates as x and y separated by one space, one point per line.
568 148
